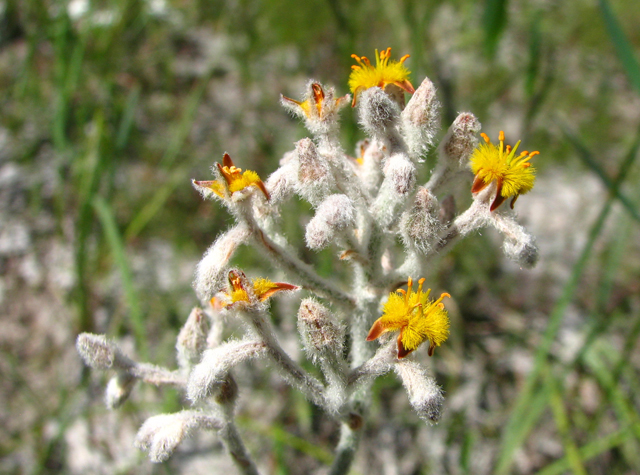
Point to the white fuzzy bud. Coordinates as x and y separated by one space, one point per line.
211 271
425 395
370 169
192 339
420 119
314 178
99 352
281 183
118 389
421 225
321 332
519 245
379 116
401 173
211 373
461 139
161 434
334 215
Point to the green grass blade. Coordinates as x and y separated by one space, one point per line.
588 451
563 425
114 239
587 157
621 44
495 20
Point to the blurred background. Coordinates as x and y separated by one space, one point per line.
109 108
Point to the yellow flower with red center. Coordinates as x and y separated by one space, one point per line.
260 290
385 72
513 174
234 179
416 317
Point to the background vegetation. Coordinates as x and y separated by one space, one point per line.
108 108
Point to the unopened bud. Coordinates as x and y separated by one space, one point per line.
192 339
314 173
379 116
334 215
320 331
401 173
211 270
461 139
161 434
425 395
281 183
420 118
523 252
118 389
101 353
211 373
421 225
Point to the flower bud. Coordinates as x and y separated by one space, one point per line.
211 270
118 389
314 173
379 116
401 173
461 139
421 225
334 215
192 339
161 434
425 395
100 353
420 118
211 373
320 331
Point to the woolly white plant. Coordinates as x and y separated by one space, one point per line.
363 207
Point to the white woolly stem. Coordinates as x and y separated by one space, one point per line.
313 389
235 446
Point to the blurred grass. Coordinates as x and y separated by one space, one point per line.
134 107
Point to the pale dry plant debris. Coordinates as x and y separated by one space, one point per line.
362 207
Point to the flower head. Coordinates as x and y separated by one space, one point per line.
243 292
233 180
384 73
513 174
317 103
416 317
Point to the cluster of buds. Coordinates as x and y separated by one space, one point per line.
361 206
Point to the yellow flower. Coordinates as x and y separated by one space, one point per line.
234 179
416 317
260 290
315 100
383 74
514 174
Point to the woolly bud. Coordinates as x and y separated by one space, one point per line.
421 225
335 214
281 183
401 173
211 373
118 389
99 352
379 116
420 118
211 270
161 434
320 331
519 245
192 339
461 139
425 395
314 174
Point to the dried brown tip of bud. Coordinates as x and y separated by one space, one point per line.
227 391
